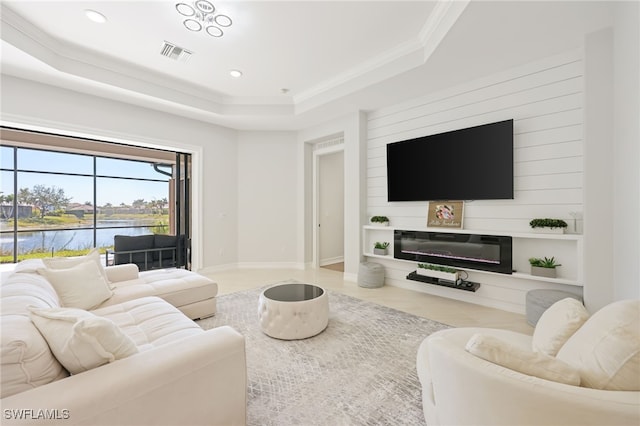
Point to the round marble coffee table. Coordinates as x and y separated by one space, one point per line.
293 311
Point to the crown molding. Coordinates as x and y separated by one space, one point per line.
442 18
143 83
407 55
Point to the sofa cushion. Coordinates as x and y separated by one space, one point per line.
150 321
531 363
557 324
179 287
29 266
21 290
81 340
81 286
606 349
70 262
26 360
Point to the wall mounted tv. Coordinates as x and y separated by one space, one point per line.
475 163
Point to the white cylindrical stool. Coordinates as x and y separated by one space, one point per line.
293 311
371 275
538 301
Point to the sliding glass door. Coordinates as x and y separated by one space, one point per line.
60 203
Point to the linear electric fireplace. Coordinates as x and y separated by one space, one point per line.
482 252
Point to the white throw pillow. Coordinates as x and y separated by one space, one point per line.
557 324
70 262
606 349
81 286
81 340
535 364
26 360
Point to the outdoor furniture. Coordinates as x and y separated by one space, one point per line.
151 251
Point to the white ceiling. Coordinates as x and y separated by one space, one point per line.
332 57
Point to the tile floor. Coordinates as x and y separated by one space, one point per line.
447 311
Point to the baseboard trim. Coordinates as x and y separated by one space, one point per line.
350 277
252 265
331 260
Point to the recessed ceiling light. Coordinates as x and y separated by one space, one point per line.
235 73
95 16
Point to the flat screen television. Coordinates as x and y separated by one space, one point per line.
475 163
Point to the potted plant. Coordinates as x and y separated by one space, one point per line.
380 220
545 267
380 248
438 271
550 226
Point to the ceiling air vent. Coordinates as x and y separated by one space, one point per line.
174 52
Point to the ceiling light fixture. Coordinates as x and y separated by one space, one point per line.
95 16
235 73
201 15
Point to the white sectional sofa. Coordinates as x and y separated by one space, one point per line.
134 359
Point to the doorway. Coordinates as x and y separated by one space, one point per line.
329 208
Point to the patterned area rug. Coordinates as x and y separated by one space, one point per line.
360 371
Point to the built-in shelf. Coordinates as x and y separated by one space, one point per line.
524 276
533 235
525 245
520 275
465 285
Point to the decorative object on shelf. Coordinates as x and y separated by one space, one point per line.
380 248
201 15
445 214
380 220
438 271
548 226
575 216
544 267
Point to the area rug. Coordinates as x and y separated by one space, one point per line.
360 371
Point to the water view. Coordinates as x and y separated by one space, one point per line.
75 239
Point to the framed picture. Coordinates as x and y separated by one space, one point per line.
445 214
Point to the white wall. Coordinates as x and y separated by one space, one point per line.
38 106
612 160
626 108
599 195
545 99
267 199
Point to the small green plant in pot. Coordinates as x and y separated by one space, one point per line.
380 248
553 226
380 220
544 267
438 271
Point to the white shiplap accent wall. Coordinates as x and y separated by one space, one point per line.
545 100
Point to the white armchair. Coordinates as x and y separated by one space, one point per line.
459 388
